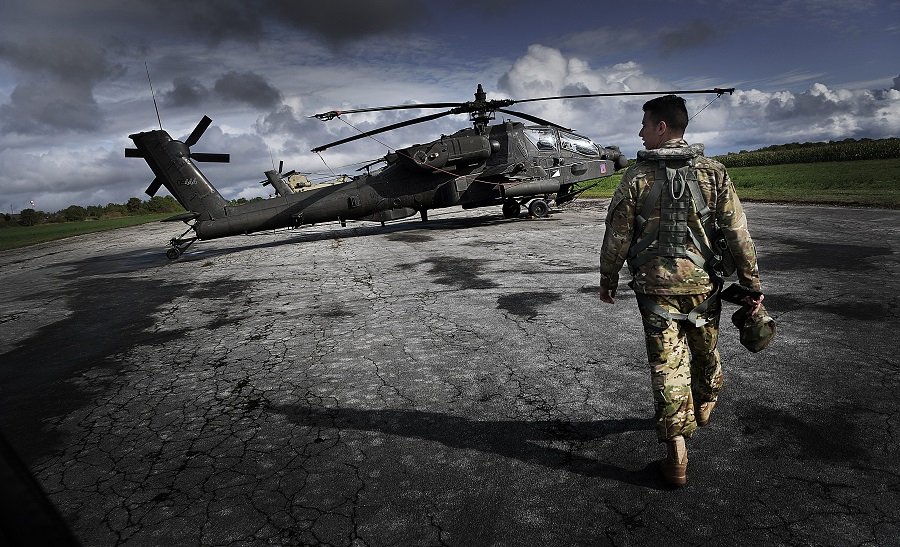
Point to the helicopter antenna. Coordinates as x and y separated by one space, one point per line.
382 143
271 157
704 106
153 95
326 164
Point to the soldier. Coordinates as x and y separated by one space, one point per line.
664 219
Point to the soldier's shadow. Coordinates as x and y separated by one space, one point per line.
552 444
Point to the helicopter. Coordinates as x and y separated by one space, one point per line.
509 164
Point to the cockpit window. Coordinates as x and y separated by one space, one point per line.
578 144
543 138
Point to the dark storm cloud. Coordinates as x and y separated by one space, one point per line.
56 90
67 58
63 50
693 34
249 88
340 21
38 107
186 91
233 87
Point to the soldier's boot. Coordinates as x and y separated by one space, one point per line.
674 467
703 412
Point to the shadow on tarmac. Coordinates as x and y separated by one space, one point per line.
527 441
304 233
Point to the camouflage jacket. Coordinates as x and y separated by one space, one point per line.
671 275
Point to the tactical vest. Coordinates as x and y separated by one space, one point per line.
676 190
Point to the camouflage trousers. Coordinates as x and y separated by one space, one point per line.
685 369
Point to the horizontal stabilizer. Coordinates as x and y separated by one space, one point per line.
218 158
133 153
154 187
190 215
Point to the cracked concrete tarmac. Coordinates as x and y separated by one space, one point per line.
450 383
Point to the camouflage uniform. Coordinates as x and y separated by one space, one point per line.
684 361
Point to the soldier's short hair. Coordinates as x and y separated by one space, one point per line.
670 109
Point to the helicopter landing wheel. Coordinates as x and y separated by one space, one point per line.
511 209
173 253
538 208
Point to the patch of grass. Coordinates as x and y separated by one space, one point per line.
871 183
20 236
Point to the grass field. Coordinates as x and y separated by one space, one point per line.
21 236
870 183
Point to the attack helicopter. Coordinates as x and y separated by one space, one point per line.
509 164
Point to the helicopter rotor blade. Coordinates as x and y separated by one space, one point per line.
383 129
198 131
535 119
325 116
717 91
216 158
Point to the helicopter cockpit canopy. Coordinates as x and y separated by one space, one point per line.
550 139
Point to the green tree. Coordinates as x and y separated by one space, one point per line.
28 217
160 204
74 213
134 205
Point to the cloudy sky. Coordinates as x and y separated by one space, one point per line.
73 83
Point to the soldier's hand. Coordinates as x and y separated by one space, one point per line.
754 304
608 295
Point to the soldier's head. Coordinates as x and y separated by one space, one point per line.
665 118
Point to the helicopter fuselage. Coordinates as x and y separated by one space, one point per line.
506 164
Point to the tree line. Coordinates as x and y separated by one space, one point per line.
812 152
76 213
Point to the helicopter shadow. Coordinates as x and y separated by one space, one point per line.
299 236
530 442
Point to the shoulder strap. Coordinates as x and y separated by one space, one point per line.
651 235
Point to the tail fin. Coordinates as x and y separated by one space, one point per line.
171 162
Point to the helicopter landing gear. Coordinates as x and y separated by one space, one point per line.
538 208
178 245
511 208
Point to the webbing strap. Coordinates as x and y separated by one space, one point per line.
653 195
694 317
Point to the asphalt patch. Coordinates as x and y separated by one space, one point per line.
814 255
846 307
827 436
410 238
526 304
462 273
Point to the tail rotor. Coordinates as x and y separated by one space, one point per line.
190 141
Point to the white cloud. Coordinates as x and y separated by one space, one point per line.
748 118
